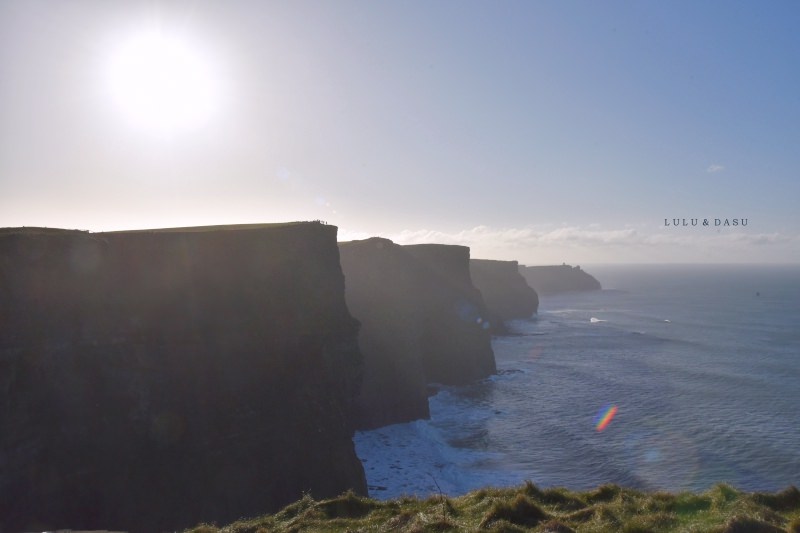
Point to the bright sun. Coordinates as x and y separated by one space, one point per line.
161 85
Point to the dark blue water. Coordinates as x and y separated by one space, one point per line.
701 362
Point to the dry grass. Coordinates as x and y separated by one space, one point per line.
607 509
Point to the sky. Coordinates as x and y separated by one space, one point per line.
541 131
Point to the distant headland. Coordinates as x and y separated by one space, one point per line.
552 279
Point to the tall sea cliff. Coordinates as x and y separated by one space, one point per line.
458 350
505 291
423 322
151 380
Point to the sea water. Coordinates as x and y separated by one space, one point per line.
700 365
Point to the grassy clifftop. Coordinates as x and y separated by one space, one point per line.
609 508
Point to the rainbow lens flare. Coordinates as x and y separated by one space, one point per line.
604 417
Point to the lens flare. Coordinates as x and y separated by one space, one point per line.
604 417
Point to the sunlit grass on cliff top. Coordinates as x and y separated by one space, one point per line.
609 508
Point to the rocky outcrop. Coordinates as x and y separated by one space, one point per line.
558 278
421 323
151 380
504 290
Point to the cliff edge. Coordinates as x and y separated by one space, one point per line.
152 379
421 323
553 279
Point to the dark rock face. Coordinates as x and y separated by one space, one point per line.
153 380
504 290
558 278
458 349
419 315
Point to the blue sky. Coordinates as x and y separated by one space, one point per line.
537 131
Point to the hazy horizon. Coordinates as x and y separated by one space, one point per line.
543 132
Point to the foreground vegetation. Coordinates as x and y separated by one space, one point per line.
609 508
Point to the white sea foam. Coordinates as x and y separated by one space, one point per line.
414 459
397 457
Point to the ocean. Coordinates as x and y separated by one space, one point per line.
696 369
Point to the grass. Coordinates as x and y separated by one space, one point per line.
609 508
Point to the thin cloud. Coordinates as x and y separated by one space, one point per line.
549 244
487 237
701 240
715 168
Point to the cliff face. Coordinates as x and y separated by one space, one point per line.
558 278
504 290
419 315
151 380
458 349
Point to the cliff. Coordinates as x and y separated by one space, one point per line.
558 278
419 314
153 379
504 290
457 346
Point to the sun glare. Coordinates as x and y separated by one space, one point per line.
161 84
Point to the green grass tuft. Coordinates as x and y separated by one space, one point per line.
554 526
786 500
604 493
347 506
689 504
723 494
562 500
520 511
746 524
297 508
